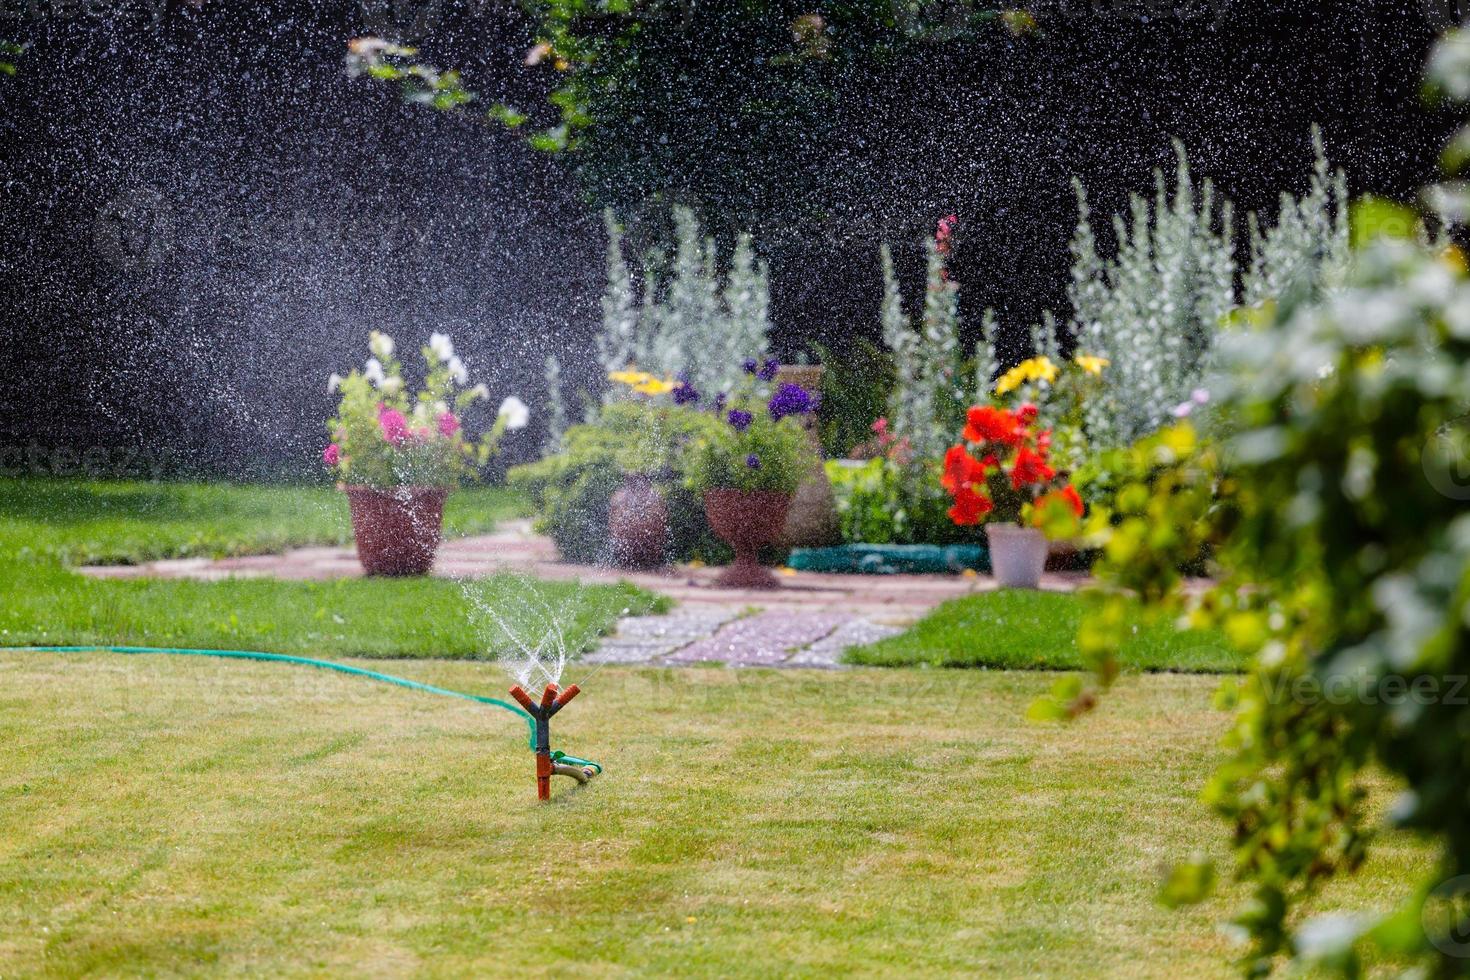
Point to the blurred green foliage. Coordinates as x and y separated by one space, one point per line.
571 490
855 391
1334 501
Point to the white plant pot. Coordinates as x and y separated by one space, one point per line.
1017 555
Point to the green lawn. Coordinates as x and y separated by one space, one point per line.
176 816
1021 630
109 522
48 524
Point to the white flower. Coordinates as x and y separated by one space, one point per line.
334 382
515 413
480 392
381 344
440 408
440 346
457 371
373 371
391 386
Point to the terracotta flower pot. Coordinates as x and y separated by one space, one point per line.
398 529
747 520
1017 555
638 524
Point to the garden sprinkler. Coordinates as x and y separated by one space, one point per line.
549 763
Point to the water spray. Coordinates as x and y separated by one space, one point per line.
549 763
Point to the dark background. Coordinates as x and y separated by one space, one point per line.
203 216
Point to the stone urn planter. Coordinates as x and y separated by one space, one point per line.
397 530
747 520
638 524
1017 555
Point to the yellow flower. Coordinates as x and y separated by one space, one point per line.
1036 369
631 376
1092 364
641 382
654 386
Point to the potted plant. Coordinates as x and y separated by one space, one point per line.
1000 475
397 456
748 465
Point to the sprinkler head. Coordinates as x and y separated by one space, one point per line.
553 699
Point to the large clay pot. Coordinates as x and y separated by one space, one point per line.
397 529
747 520
638 524
1017 555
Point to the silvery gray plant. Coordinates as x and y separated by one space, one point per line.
926 364
1155 308
689 321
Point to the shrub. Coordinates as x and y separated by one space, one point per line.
855 392
571 490
872 507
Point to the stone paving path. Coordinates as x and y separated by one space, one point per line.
808 622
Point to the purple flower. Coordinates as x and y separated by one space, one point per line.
768 370
753 461
749 366
739 421
720 402
684 393
790 399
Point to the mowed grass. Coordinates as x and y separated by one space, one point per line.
1020 630
119 522
179 816
46 525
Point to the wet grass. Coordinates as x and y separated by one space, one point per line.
1023 630
46 525
172 816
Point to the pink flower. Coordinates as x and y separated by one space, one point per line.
394 426
331 455
448 425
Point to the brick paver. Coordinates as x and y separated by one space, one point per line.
807 622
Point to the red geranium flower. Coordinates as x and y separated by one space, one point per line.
985 423
1067 495
961 469
1030 467
969 507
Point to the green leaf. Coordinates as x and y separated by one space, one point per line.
1378 217
1188 884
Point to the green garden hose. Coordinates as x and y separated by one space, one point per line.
281 658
